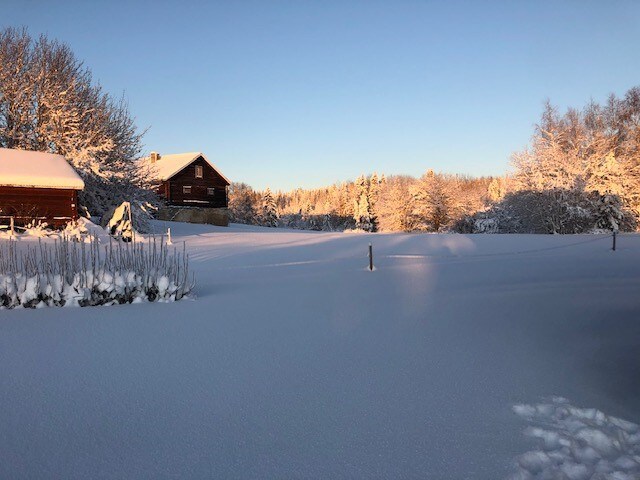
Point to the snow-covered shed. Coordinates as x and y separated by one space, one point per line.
37 186
189 179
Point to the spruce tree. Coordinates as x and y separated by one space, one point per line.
363 214
269 209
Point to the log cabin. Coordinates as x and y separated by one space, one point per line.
189 179
37 186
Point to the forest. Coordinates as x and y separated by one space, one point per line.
580 173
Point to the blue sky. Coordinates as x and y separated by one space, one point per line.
300 93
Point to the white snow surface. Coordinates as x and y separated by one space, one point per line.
22 168
170 164
578 444
295 361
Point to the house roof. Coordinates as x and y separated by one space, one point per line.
168 165
24 168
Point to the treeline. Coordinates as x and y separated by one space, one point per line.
581 173
435 202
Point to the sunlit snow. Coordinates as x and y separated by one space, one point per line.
295 361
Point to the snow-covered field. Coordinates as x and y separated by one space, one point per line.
294 361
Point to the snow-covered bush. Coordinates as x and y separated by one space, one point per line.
36 228
77 230
119 224
549 211
138 217
69 273
326 222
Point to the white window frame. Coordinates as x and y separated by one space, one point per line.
199 171
211 191
186 189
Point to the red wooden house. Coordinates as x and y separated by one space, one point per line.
189 179
37 186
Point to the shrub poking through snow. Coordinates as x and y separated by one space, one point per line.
70 273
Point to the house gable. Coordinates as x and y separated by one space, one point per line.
168 166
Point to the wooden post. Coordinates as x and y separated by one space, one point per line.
614 240
13 233
133 232
370 258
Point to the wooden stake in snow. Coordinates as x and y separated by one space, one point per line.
614 240
370 258
169 242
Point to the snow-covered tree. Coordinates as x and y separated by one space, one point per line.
497 189
363 211
49 102
269 209
374 190
243 204
432 201
580 170
395 205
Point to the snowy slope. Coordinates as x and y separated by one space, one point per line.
294 361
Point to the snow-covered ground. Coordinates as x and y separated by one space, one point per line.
294 361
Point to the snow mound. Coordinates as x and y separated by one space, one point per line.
577 444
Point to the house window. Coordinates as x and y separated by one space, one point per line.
211 191
186 189
198 171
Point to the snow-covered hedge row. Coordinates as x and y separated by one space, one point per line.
70 273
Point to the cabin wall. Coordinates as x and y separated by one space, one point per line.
53 206
172 189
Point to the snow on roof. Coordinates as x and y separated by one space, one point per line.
23 168
168 165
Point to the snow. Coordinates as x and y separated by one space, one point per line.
295 361
22 168
169 165
585 443
120 222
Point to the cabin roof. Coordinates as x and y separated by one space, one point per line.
168 165
24 168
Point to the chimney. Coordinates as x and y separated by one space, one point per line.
155 156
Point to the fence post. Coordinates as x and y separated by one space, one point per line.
133 231
13 233
614 240
370 258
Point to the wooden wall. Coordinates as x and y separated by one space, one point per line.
172 189
54 206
